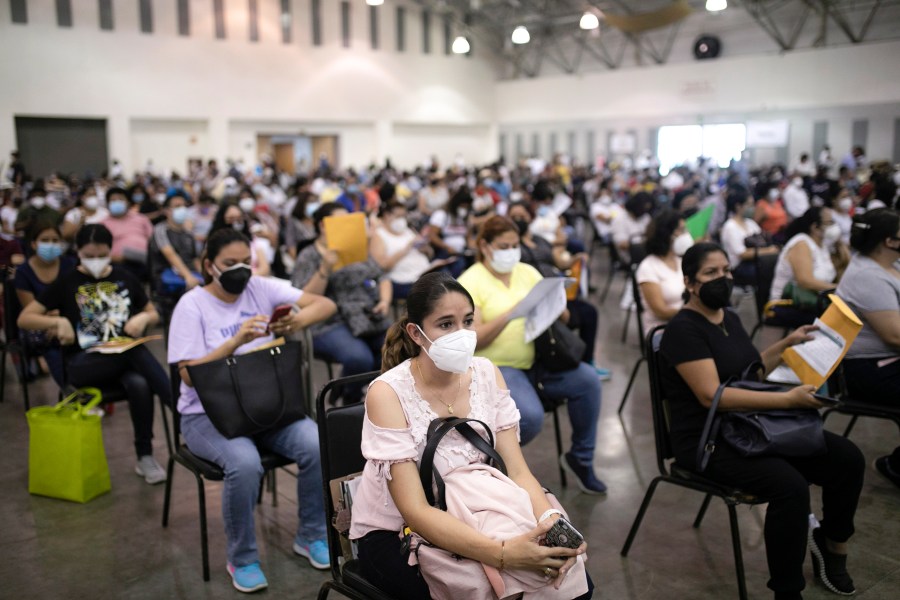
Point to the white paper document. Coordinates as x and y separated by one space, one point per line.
542 306
561 203
824 350
784 374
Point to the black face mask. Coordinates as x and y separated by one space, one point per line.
234 280
522 225
716 294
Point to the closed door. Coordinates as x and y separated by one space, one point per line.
284 158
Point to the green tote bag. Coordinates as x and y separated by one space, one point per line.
66 458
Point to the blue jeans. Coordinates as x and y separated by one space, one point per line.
580 386
239 458
356 354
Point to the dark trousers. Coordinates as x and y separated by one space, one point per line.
136 370
584 317
385 566
784 483
867 382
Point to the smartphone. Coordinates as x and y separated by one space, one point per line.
280 313
827 400
563 535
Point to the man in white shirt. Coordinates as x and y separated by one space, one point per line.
796 200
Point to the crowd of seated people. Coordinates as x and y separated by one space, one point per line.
500 228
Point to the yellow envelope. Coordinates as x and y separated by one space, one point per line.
346 235
815 361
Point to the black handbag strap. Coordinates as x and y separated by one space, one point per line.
707 443
437 429
236 385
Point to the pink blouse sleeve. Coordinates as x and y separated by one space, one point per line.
384 447
507 415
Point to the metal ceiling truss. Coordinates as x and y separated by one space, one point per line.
557 40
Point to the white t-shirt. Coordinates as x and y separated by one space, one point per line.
733 236
654 269
823 268
74 216
412 265
453 231
625 228
796 201
606 208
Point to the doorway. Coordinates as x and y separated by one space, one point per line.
299 154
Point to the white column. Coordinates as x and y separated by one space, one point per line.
219 142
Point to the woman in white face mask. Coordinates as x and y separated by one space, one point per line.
497 283
95 303
89 210
743 238
809 263
429 372
400 251
231 215
659 275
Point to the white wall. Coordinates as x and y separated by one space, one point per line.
835 85
128 77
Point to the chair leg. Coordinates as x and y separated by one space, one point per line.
323 591
702 512
262 484
756 329
738 556
170 470
2 373
273 486
640 516
625 325
850 426
559 448
204 547
631 379
609 280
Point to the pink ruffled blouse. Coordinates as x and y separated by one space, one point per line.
373 507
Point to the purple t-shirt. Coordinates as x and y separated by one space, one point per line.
201 323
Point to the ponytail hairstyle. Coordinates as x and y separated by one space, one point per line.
872 228
420 303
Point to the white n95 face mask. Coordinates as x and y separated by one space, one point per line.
504 261
96 266
452 352
682 243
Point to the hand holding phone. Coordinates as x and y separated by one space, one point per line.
827 400
562 535
280 313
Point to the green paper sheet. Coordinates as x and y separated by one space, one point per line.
698 224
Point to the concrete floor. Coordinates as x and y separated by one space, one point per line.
115 547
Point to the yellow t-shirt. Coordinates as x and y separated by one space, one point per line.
493 298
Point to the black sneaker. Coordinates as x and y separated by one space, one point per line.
883 466
830 568
584 475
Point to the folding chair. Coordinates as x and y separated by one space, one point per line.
671 472
340 434
639 322
12 343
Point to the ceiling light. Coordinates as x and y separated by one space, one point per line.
520 35
460 45
716 5
589 21
374 2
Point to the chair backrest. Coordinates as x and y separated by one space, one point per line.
11 310
638 309
340 435
171 418
659 404
765 275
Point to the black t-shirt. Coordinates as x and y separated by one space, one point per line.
689 336
97 308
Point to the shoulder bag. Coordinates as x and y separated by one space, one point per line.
559 348
775 432
254 392
484 498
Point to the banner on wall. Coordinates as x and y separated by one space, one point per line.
622 143
767 134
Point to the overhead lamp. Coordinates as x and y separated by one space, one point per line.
374 2
589 21
460 45
520 35
716 5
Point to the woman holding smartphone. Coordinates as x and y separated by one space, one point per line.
429 372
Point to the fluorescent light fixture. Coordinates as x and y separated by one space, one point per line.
589 21
374 2
716 5
520 35
460 45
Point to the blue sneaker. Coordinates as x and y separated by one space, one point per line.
315 552
248 578
584 475
603 374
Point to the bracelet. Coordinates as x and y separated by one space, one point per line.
549 513
502 548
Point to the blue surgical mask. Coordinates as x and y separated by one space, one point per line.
311 208
117 208
180 214
49 251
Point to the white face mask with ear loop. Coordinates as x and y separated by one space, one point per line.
682 243
452 352
832 234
